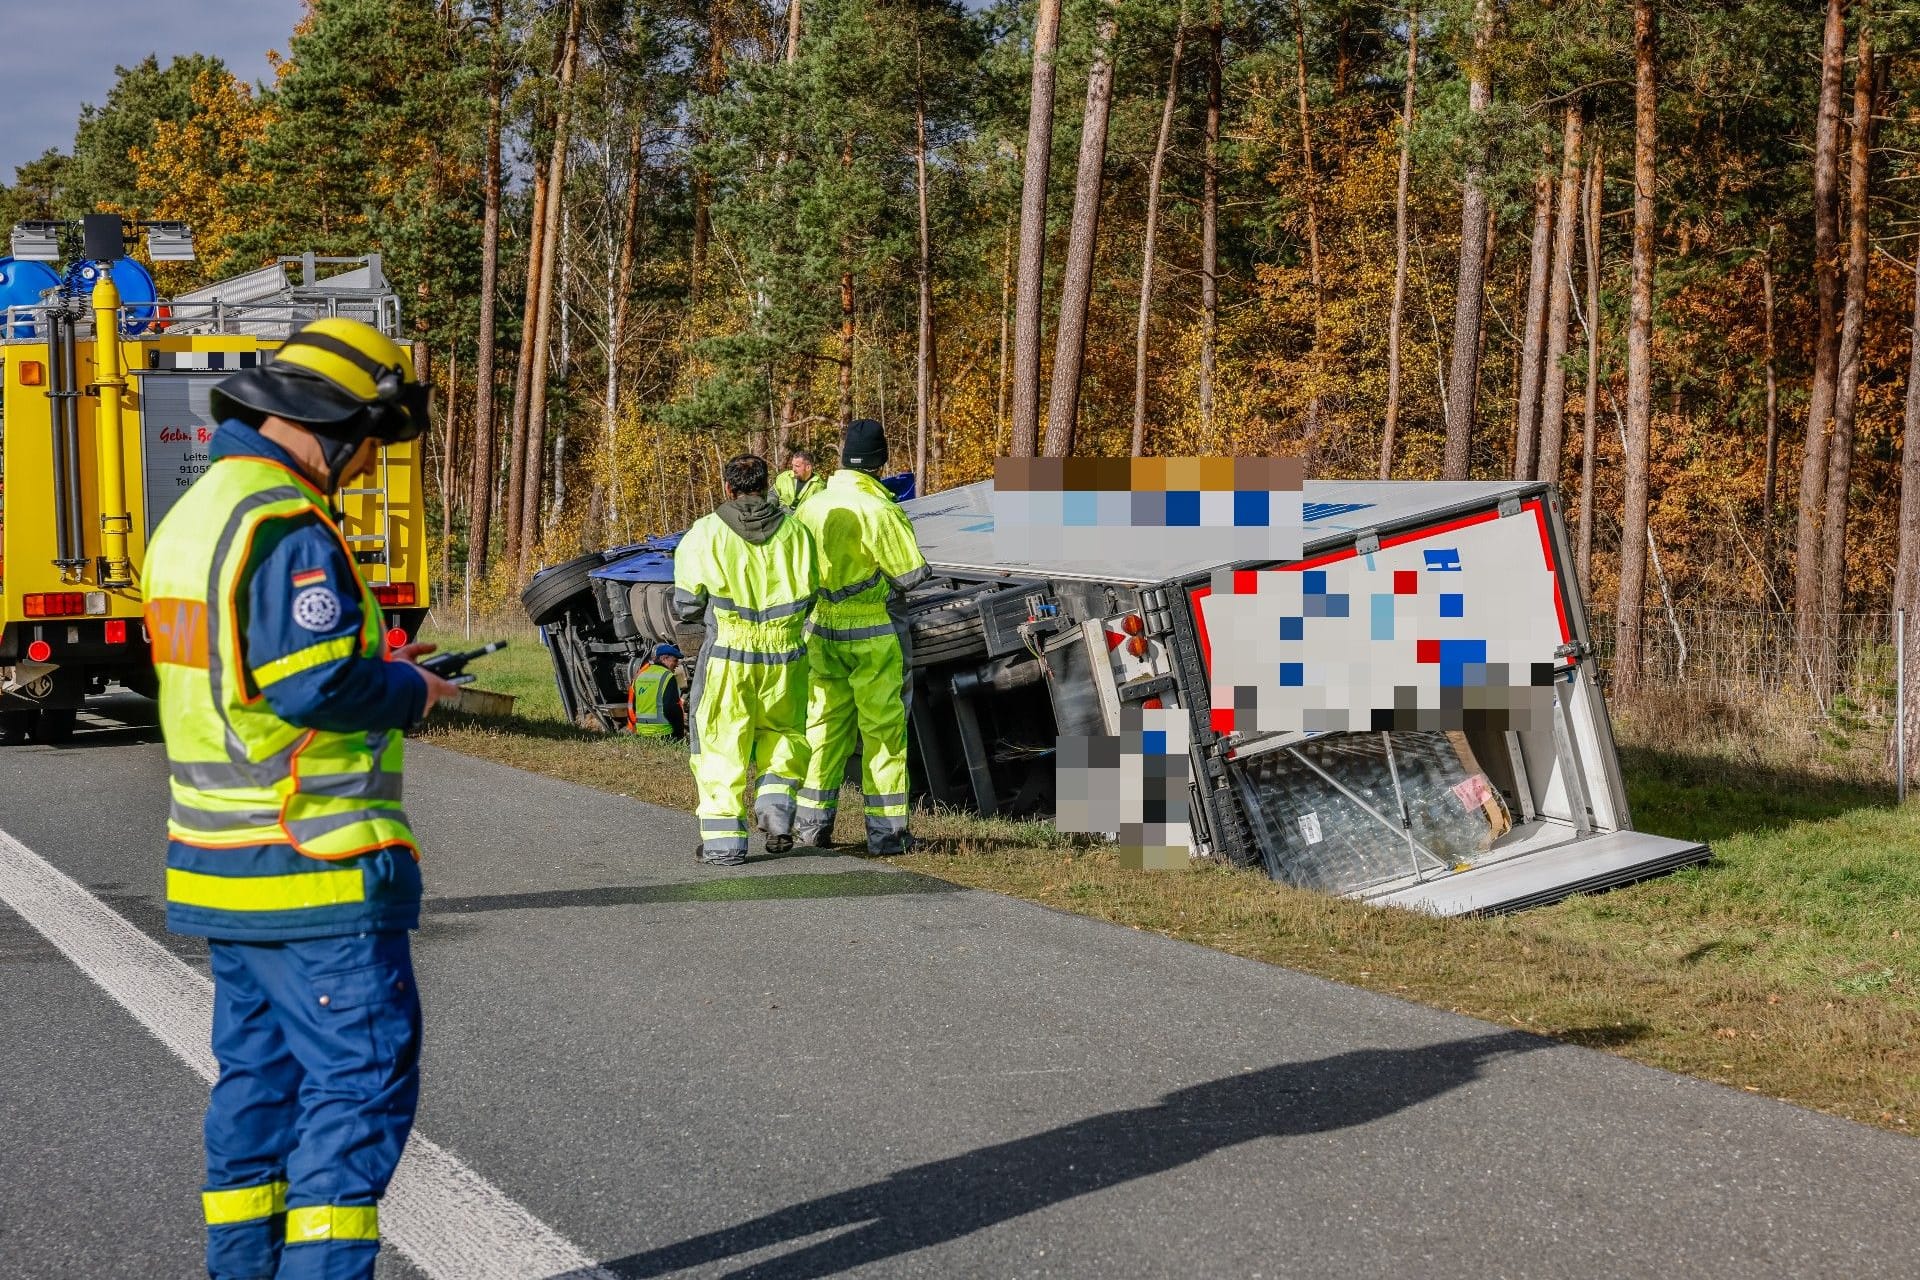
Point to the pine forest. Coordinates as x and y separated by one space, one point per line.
1660 253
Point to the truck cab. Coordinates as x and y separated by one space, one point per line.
105 421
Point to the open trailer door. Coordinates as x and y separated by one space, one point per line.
1435 737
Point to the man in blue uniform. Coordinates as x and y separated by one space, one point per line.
288 847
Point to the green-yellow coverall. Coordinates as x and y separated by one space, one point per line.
790 493
749 697
859 657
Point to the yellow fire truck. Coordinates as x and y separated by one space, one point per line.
105 421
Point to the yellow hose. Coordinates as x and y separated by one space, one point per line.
110 386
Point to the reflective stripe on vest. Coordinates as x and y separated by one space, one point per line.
240 775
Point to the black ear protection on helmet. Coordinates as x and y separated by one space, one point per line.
396 414
398 411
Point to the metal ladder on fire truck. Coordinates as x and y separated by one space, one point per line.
268 298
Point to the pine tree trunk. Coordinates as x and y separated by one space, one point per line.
1083 235
847 313
530 489
1590 410
783 432
1210 235
1826 351
565 297
1469 296
629 236
1151 241
1906 578
846 350
422 351
1526 416
480 483
923 355
1396 314
1006 322
1833 532
1633 519
1315 369
713 77
1553 399
523 369
450 432
1770 482
620 290
1030 282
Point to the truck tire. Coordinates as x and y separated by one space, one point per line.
15 726
552 591
144 681
952 633
53 726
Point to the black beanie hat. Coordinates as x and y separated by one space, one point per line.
865 448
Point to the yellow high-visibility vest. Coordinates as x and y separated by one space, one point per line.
271 824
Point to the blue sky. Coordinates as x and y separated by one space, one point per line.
55 56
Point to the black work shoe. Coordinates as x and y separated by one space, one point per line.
823 841
779 844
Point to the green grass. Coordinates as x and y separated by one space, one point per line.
1788 965
522 669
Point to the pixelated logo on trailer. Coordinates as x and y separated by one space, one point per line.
1171 513
1412 637
1132 785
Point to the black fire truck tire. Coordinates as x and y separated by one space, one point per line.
52 726
144 681
552 591
952 633
15 726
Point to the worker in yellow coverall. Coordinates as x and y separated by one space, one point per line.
749 570
857 649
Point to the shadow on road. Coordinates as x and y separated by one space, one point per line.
834 884
943 1200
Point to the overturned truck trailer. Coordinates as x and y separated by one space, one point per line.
1471 807
1477 811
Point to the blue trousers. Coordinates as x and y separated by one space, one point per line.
319 1049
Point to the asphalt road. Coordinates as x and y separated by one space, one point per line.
817 1066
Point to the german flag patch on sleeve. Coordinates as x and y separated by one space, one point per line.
309 577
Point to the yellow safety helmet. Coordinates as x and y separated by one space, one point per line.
339 378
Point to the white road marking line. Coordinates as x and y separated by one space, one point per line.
447 1219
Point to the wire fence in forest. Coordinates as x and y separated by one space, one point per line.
1737 655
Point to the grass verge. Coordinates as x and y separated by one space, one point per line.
1787 966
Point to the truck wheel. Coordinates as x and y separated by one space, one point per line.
553 590
53 726
144 681
15 726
